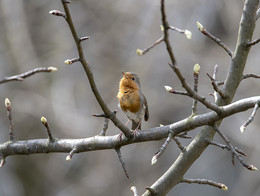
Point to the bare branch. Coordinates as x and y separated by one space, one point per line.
193 94
166 34
103 132
196 71
215 39
185 32
249 76
122 161
144 51
9 115
253 42
87 68
171 90
233 151
205 181
226 147
72 152
181 147
251 118
162 149
215 86
22 76
72 146
45 123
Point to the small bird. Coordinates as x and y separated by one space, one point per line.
131 99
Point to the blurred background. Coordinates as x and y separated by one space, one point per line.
30 37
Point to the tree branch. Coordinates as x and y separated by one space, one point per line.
22 76
215 39
87 69
193 151
205 181
72 146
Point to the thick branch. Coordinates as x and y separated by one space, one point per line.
193 151
111 142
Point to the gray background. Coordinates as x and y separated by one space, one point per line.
31 37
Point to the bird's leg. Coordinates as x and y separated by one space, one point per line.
127 122
136 130
121 134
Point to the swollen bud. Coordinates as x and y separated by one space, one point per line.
196 69
139 52
200 27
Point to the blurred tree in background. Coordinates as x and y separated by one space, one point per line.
30 37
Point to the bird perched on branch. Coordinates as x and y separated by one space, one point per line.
131 99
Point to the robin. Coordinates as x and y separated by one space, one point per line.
131 99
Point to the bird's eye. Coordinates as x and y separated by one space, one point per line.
133 78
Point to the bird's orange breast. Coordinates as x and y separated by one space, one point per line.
129 100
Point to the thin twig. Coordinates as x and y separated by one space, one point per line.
215 86
171 90
2 161
72 152
105 127
253 42
250 119
45 123
9 115
250 76
162 149
196 72
233 151
226 147
185 32
181 147
205 181
122 161
183 135
144 51
215 39
22 76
